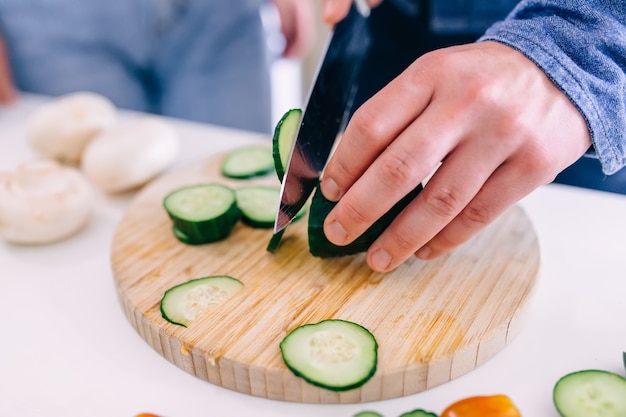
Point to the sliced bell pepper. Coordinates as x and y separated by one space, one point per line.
482 406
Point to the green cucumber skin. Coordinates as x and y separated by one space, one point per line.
275 240
280 163
255 224
418 413
321 247
597 385
368 414
207 231
335 388
258 205
332 387
259 224
243 173
164 314
193 229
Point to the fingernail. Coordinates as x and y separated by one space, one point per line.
336 233
330 189
380 260
424 252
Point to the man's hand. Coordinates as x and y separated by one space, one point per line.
297 25
7 90
335 10
499 126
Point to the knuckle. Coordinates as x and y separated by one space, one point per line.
538 159
476 214
341 169
354 212
537 164
442 202
396 169
403 239
367 128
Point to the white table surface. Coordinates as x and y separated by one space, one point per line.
66 349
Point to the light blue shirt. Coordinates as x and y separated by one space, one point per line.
203 60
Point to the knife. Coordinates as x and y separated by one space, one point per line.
326 112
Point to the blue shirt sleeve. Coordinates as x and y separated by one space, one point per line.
581 46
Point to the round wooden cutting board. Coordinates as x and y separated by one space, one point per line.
433 320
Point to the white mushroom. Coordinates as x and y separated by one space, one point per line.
43 202
61 128
130 154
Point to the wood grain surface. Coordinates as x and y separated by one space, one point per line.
433 321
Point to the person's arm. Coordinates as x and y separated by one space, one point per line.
581 46
8 93
335 10
297 26
498 122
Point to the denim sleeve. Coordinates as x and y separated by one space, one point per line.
581 46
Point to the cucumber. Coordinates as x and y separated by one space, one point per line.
418 413
321 247
248 162
285 134
284 137
275 240
185 302
368 414
590 393
202 213
334 354
258 204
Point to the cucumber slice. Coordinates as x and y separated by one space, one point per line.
590 393
185 302
337 355
258 204
248 162
320 246
274 242
202 213
284 137
368 414
418 413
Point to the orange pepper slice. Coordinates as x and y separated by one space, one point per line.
482 406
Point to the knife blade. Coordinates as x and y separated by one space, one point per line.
326 112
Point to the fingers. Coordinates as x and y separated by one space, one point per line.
393 174
514 179
297 25
500 133
386 170
502 190
372 128
454 185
